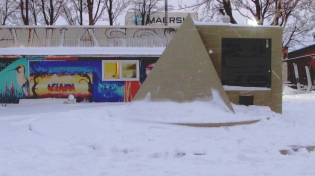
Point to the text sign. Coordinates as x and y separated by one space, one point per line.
246 62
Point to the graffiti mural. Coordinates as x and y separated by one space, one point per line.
14 84
146 67
116 37
87 36
110 91
6 62
59 79
105 91
82 77
130 90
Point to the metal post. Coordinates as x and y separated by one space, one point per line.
166 11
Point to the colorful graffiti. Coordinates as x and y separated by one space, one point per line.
14 84
110 91
147 65
5 63
82 77
131 88
59 79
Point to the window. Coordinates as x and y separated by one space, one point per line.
120 70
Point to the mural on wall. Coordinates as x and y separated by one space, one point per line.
14 84
130 90
112 91
145 37
59 79
117 91
41 78
146 67
6 62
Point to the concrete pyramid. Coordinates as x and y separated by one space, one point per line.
184 72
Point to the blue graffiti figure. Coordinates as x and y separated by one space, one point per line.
22 80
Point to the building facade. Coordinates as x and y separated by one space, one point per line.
95 64
304 61
112 64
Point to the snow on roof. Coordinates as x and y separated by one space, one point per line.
149 51
299 47
232 25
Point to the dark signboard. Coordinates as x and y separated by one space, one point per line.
246 62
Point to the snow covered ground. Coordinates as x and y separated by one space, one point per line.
139 139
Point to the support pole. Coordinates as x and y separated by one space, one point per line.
308 76
298 85
166 12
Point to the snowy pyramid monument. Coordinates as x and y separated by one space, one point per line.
184 72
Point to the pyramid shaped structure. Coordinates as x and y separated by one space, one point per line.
184 72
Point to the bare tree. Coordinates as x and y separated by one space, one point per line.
73 11
24 12
297 21
145 8
296 17
35 11
51 10
7 9
211 10
95 10
115 8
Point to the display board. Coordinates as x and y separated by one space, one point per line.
246 62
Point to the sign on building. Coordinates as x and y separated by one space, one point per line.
158 19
